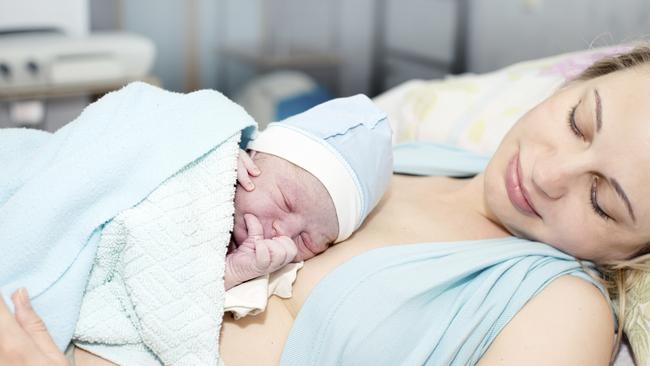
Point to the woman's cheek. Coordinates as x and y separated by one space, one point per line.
569 238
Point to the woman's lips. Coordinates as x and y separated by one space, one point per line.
516 191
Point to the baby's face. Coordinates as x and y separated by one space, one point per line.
288 201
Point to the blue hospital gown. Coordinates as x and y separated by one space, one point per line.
422 304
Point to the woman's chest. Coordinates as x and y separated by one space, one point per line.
407 215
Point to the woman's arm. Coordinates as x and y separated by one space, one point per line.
567 323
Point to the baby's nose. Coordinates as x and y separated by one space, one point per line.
288 226
276 229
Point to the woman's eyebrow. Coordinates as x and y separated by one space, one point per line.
623 196
599 111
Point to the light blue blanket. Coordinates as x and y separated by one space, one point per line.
58 190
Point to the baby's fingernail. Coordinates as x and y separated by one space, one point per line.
250 185
256 171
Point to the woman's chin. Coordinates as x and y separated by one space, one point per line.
515 230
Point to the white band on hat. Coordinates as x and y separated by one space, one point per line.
322 161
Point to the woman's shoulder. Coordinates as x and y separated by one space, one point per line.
569 322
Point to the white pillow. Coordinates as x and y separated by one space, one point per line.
475 111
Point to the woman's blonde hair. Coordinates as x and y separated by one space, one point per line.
619 276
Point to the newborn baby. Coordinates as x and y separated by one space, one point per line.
309 181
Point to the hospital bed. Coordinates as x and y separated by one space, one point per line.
468 111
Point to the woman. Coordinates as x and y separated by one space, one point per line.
570 173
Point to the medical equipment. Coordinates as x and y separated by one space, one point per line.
33 60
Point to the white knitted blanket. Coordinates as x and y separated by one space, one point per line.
155 294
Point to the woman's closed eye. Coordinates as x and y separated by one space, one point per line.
593 200
593 191
572 122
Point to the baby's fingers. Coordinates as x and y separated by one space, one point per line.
283 252
249 164
246 168
262 256
243 178
254 227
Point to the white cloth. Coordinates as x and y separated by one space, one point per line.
155 294
251 297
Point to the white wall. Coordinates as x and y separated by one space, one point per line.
424 26
164 23
500 32
506 31
341 27
208 38
355 40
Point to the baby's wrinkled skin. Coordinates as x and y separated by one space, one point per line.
282 215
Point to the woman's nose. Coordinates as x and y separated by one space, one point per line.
552 174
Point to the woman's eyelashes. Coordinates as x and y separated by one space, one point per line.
572 122
593 200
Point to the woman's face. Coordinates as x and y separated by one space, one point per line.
574 172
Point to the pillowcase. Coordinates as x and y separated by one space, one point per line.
474 112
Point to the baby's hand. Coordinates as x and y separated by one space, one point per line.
257 256
245 168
